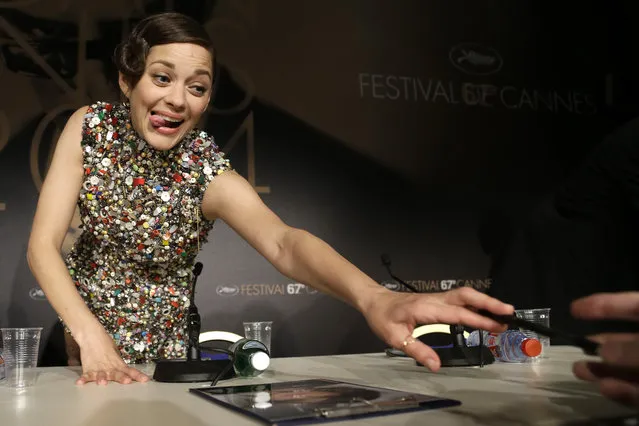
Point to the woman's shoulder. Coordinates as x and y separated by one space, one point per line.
205 153
204 143
102 118
98 108
104 111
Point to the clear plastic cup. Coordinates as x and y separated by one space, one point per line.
20 353
260 331
538 316
1 366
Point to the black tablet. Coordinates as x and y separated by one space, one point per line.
318 400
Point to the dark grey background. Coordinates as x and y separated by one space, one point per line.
420 177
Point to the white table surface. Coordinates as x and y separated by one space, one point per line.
499 394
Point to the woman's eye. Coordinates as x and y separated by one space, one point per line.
200 90
161 78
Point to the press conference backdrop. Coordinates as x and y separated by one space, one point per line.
381 127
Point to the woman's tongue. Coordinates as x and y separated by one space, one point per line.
159 121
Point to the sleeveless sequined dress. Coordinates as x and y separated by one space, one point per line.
142 228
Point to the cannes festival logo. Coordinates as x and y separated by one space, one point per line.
225 290
475 59
391 285
36 293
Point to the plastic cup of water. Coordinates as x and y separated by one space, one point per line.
538 316
20 353
1 367
260 331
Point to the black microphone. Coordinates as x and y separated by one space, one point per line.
197 270
387 263
193 320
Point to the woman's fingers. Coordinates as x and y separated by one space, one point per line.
458 307
420 352
467 296
428 313
86 378
123 376
101 378
137 375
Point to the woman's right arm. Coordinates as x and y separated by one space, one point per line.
54 212
101 362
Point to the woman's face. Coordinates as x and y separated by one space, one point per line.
172 94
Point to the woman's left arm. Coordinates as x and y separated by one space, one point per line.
307 259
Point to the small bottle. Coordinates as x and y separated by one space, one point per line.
509 346
250 357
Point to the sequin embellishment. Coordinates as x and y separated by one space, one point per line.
133 263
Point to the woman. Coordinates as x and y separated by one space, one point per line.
149 187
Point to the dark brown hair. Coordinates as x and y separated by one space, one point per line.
163 28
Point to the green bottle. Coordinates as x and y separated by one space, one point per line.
250 357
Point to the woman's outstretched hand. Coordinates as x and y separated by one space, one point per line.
393 316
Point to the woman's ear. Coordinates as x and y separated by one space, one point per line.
124 85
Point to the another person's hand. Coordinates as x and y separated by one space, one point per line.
102 363
393 316
618 373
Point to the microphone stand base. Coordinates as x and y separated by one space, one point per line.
190 371
469 356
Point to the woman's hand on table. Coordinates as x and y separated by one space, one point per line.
394 316
617 374
102 363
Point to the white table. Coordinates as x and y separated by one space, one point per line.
499 394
